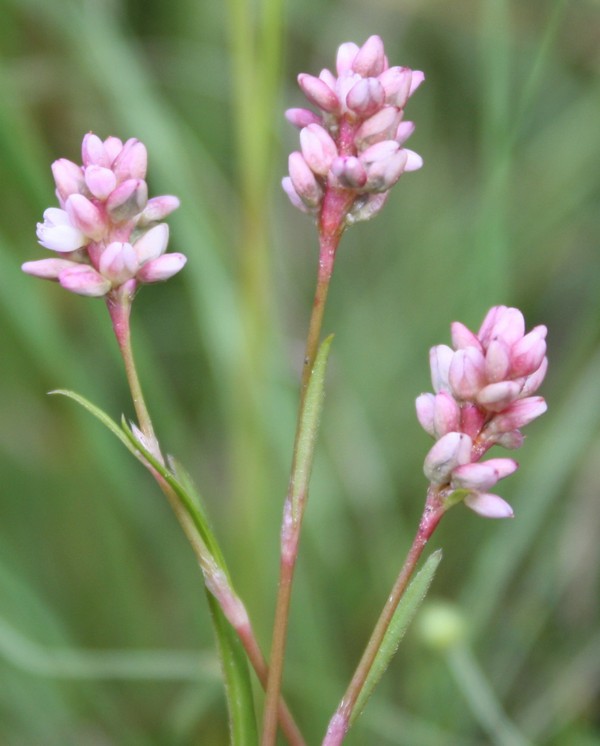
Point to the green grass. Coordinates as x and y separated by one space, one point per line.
101 609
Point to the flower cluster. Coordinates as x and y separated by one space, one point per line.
107 232
483 396
355 143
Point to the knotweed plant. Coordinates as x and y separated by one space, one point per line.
108 239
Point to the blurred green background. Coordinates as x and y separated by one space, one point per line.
104 632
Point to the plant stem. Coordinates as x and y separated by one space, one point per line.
340 722
119 306
331 225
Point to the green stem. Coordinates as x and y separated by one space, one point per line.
119 307
296 501
340 723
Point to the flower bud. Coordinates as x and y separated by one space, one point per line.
84 280
416 79
482 476
497 396
132 161
384 163
366 206
489 506
301 118
160 269
58 233
404 131
381 126
365 97
292 194
93 152
463 337
517 415
471 420
346 55
127 200
450 451
68 178
467 373
497 360
118 262
85 216
440 358
304 181
158 208
425 406
100 181
534 381
319 93
413 160
152 244
396 83
48 269
349 172
318 148
370 59
528 352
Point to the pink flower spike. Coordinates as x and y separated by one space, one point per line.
84 280
48 269
370 58
85 216
413 160
152 244
58 233
93 152
489 506
318 148
128 200
450 451
345 57
132 161
319 93
482 476
463 337
100 181
68 178
301 118
157 270
365 97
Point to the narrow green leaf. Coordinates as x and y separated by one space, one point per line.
309 426
99 414
238 687
405 613
236 679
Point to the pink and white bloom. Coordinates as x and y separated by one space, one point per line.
354 144
106 230
483 396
